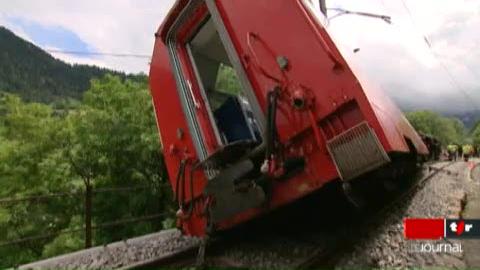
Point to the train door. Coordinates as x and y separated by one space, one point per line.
224 117
220 106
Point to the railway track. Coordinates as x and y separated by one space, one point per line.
323 247
328 257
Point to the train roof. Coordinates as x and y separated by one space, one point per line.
171 17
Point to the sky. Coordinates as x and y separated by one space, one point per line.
428 58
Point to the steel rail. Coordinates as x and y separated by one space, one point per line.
327 257
186 256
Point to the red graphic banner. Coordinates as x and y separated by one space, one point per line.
424 229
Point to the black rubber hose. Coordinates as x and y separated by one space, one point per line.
180 174
274 119
190 206
271 134
268 135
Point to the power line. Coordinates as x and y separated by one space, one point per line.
121 55
456 83
44 197
95 227
452 78
425 37
409 13
474 72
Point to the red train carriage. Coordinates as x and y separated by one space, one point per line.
257 108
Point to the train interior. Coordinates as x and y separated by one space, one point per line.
228 108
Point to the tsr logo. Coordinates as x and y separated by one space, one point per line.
460 227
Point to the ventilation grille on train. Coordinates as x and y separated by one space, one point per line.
357 151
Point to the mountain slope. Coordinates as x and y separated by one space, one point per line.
469 118
33 74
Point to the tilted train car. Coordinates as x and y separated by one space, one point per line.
257 108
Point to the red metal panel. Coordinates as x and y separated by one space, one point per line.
297 40
393 123
171 119
168 110
289 31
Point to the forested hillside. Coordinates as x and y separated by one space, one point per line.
34 75
80 158
446 129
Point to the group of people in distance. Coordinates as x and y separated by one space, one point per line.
453 152
466 151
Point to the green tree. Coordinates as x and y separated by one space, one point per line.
31 163
108 140
475 133
447 130
227 80
114 142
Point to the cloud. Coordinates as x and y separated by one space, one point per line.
399 58
395 56
47 36
118 26
19 31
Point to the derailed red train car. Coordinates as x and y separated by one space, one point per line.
257 108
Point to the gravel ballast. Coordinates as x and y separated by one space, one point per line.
386 246
120 254
380 244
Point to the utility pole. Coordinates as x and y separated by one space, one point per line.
87 176
88 214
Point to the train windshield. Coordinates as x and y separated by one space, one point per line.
227 105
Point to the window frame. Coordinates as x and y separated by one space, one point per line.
201 87
183 29
314 8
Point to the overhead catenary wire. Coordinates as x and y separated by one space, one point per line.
42 197
454 82
120 55
341 11
474 72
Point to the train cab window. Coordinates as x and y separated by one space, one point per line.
227 105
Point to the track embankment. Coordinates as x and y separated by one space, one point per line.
331 234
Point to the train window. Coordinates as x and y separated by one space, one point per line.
227 106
